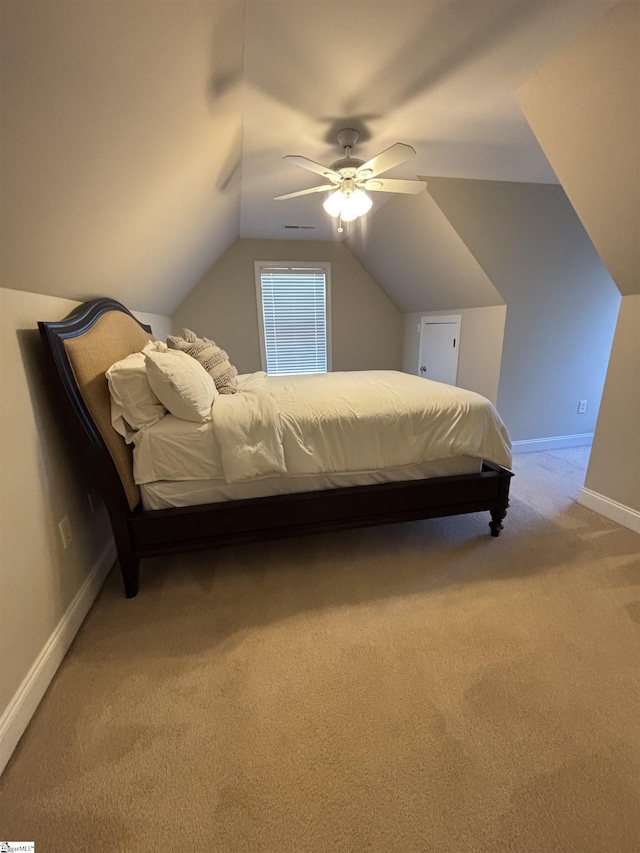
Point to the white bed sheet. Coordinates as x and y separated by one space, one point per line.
317 425
165 494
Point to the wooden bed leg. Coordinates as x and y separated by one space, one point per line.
129 562
130 570
496 520
127 557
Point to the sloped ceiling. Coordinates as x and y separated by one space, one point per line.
584 105
411 249
437 75
121 136
139 139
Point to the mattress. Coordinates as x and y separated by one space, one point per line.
164 494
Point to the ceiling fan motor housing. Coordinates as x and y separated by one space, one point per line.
347 164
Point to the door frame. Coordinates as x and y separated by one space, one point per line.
438 319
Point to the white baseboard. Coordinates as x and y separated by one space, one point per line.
22 707
619 513
555 442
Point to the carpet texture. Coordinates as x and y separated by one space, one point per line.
418 687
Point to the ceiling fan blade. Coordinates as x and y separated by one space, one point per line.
387 159
323 189
312 166
391 185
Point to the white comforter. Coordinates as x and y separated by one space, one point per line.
359 421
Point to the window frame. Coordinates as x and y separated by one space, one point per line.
325 266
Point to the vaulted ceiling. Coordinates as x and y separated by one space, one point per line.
139 140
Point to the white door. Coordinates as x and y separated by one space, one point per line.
439 345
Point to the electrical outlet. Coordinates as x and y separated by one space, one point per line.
582 407
65 532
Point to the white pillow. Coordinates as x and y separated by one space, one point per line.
182 384
134 406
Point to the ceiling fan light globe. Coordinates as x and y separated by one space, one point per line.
333 204
356 204
349 215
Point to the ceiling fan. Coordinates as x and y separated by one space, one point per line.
350 177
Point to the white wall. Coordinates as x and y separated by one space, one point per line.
584 107
614 469
45 590
480 355
561 301
366 325
160 326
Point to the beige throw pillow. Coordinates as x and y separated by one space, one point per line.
214 360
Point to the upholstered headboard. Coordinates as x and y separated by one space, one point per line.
84 345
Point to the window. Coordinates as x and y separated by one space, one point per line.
293 313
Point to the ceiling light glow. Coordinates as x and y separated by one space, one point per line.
348 205
333 204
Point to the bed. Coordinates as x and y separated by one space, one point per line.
153 512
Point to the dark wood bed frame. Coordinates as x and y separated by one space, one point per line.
139 533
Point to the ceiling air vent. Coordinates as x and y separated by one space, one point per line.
300 227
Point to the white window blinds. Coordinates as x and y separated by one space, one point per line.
294 318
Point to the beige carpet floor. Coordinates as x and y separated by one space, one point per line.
420 687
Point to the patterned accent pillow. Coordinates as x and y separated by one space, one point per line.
214 360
